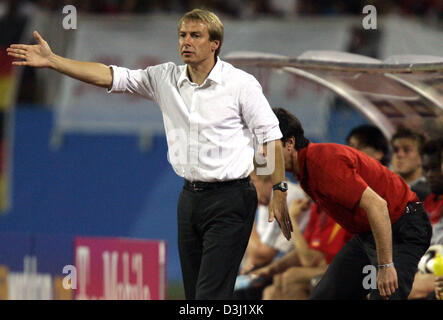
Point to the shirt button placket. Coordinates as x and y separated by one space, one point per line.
193 134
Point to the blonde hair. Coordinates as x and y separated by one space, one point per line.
215 26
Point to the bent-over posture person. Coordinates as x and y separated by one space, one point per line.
367 199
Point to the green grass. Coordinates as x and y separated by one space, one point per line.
175 290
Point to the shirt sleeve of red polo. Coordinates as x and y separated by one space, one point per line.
337 179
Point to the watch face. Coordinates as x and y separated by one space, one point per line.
282 186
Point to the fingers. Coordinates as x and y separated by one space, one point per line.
19 46
386 290
389 289
288 223
381 290
19 63
282 216
387 284
16 53
15 50
38 37
439 288
271 216
286 227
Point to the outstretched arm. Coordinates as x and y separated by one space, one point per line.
40 55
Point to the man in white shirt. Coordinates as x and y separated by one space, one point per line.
211 113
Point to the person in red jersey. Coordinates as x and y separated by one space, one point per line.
292 274
324 234
392 228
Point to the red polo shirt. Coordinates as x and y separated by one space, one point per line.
324 234
434 207
335 177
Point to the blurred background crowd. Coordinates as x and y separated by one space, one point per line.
235 8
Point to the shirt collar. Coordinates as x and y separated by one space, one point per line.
215 74
421 179
183 75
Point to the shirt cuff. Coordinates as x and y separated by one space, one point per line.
118 85
270 135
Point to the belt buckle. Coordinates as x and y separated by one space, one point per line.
194 186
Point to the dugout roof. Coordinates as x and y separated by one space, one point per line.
403 89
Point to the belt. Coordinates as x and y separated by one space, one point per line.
413 207
202 186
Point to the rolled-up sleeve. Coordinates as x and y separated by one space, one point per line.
258 114
143 82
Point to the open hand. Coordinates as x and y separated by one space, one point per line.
31 55
278 209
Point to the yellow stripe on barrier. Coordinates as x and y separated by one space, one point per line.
4 192
7 87
4 270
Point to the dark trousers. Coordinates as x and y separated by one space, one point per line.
411 236
213 232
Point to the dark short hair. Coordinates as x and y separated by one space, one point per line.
432 147
407 133
370 136
290 126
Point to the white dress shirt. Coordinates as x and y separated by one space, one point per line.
210 128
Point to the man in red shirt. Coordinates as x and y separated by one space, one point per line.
366 199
